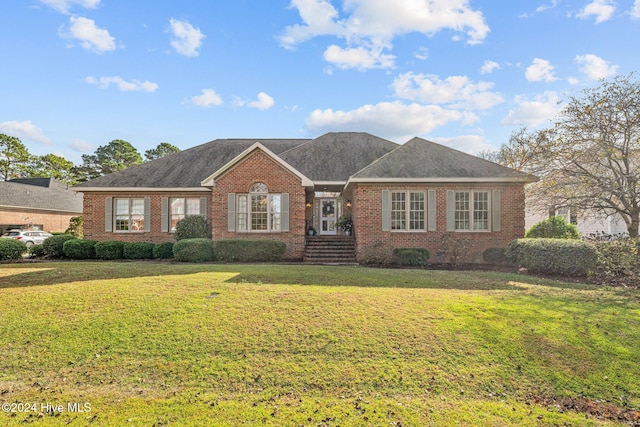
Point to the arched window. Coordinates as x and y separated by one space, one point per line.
259 210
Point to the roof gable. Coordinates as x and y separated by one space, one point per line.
423 160
210 181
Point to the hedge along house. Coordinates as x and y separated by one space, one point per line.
408 195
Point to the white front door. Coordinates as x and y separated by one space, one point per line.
328 216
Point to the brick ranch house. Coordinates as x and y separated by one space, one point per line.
407 195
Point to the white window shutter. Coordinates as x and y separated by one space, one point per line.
231 208
284 224
386 210
451 211
147 214
496 211
108 214
164 215
431 210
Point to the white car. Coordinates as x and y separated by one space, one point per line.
28 237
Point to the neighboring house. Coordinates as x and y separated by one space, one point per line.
37 204
407 195
588 223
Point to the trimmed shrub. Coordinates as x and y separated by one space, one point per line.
553 256
111 249
192 227
377 253
163 250
494 256
36 251
137 250
411 256
79 249
555 227
242 250
618 258
53 246
193 250
11 249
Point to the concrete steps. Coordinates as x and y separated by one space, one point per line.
330 250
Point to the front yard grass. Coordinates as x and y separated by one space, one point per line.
165 344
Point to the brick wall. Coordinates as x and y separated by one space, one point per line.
367 218
51 221
94 210
259 167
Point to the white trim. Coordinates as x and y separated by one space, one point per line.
28 208
210 181
319 183
140 189
437 180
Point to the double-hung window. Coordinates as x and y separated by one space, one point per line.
259 210
471 210
129 215
181 207
407 210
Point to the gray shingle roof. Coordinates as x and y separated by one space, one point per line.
422 159
336 156
187 168
18 195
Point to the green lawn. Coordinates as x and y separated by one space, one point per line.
173 344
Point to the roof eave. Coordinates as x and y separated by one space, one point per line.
134 189
523 180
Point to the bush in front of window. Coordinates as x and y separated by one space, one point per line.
494 256
11 249
53 246
110 249
417 257
79 249
163 250
243 250
193 250
555 227
192 227
553 256
137 250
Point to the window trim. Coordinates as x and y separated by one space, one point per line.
407 212
260 189
471 211
171 215
129 215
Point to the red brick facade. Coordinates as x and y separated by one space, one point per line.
50 221
367 219
366 200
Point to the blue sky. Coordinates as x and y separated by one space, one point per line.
77 74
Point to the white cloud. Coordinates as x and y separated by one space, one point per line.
472 144
601 9
186 38
423 53
457 91
635 10
489 67
82 146
64 6
25 131
533 112
595 67
91 37
361 57
372 25
264 102
540 70
393 120
123 85
208 98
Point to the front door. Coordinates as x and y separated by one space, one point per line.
328 216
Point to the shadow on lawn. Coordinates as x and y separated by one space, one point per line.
52 273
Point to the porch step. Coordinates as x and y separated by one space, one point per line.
330 250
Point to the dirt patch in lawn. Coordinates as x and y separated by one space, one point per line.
595 408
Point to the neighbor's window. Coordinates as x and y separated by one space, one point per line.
129 215
471 210
407 205
181 207
259 210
